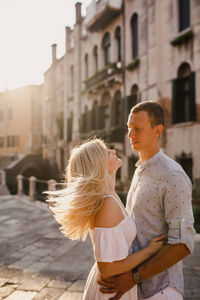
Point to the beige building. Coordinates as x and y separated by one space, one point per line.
121 53
53 112
21 121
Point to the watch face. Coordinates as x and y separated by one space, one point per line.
137 277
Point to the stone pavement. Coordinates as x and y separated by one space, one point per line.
38 262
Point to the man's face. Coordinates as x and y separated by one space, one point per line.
140 132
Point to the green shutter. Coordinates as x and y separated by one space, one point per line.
175 115
192 97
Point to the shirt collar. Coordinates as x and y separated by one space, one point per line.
149 161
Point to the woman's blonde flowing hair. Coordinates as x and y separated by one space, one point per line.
87 183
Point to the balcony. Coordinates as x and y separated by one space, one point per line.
108 73
112 135
100 13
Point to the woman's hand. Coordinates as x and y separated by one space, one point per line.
156 244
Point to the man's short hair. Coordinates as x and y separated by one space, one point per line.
154 109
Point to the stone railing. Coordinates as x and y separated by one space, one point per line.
32 189
2 178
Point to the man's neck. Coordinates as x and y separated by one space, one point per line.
144 156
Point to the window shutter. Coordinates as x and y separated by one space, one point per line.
130 104
110 109
81 124
100 117
92 119
122 113
184 14
113 114
175 116
192 97
69 129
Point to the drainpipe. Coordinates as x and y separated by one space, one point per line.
124 66
78 22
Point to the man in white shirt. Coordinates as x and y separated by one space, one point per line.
160 201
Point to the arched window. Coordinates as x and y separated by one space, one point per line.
116 109
86 66
118 39
184 14
134 94
105 105
95 53
134 33
94 115
106 48
70 127
183 90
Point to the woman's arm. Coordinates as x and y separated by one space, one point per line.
131 261
109 216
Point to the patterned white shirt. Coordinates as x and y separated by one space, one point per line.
160 201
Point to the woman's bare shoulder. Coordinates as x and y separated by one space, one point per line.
109 215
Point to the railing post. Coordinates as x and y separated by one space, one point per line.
32 184
20 190
51 184
3 178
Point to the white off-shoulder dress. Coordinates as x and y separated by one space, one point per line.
110 244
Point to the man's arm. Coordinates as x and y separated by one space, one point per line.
164 259
168 256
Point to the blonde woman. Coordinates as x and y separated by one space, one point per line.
89 203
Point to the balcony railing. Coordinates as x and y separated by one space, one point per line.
102 12
112 135
106 73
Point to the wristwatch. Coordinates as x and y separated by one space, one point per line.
137 277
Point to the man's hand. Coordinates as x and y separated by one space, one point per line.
118 284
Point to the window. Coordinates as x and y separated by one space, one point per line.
86 66
69 127
118 39
131 101
131 166
60 122
183 96
95 53
85 120
105 103
106 48
94 115
1 142
135 95
184 14
134 33
186 163
116 110
13 141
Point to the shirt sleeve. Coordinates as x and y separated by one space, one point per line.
177 197
109 244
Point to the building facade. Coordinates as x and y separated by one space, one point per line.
21 121
121 53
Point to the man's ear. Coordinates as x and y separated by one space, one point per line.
159 129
